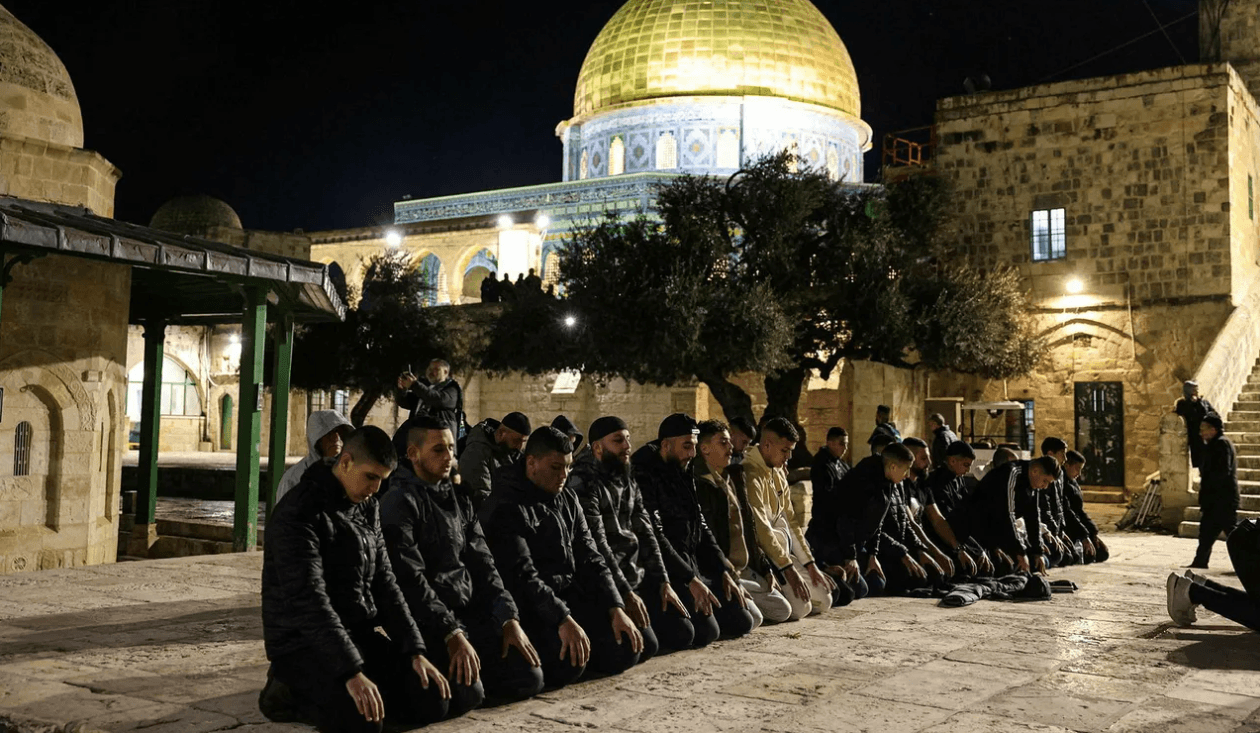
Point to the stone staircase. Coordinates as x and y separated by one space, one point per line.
1243 428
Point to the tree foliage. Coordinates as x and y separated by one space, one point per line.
387 328
775 270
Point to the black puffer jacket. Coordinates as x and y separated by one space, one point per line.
619 523
440 554
479 459
326 573
846 521
542 546
1218 474
1002 497
687 542
442 401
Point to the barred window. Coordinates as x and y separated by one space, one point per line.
341 401
22 449
1049 239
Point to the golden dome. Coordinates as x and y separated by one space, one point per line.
37 98
671 48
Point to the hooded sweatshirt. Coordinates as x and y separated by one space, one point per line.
566 426
318 425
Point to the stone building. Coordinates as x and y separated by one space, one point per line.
1128 203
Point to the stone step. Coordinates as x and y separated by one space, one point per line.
1250 405
1244 415
1242 426
1103 496
1194 514
1249 460
1190 529
1249 396
1245 488
1192 519
1249 474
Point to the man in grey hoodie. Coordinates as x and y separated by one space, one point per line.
326 432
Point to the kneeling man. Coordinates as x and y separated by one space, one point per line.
447 574
327 585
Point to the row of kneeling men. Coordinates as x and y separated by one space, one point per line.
429 598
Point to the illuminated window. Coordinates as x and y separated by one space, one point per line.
616 157
22 449
430 269
1049 239
833 164
666 152
341 401
178 394
584 168
728 149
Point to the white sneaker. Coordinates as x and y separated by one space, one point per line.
1180 607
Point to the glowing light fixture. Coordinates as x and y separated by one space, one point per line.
1075 286
543 221
505 222
570 321
393 239
234 339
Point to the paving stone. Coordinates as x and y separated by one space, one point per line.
982 723
949 685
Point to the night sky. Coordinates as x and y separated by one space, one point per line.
312 116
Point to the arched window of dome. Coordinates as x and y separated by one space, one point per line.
666 152
22 447
833 164
616 157
728 149
584 169
430 270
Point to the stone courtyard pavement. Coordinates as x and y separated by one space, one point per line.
176 646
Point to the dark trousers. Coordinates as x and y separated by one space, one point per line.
728 622
324 700
509 678
898 580
1213 521
670 631
847 592
607 655
1242 606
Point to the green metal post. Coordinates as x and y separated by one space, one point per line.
249 424
150 421
282 363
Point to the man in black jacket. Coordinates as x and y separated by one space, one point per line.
829 465
626 536
327 584
942 436
698 569
490 445
1007 493
1193 408
1218 488
1080 526
568 601
948 486
447 574
437 395
1060 548
844 529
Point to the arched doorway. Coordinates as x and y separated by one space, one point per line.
431 269
481 266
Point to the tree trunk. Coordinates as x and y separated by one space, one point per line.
360 411
734 400
783 399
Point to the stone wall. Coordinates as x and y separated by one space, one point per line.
62 356
1140 162
54 173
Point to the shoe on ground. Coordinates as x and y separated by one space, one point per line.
1180 607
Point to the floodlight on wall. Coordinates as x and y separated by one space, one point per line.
505 222
234 339
543 221
1075 286
393 239
570 321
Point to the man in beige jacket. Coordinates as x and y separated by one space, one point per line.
780 537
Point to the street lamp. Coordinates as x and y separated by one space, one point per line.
1075 286
505 222
570 321
542 222
393 239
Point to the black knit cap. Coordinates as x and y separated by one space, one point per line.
517 422
1215 421
959 448
605 426
677 425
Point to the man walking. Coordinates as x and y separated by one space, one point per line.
1218 488
1193 408
942 436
